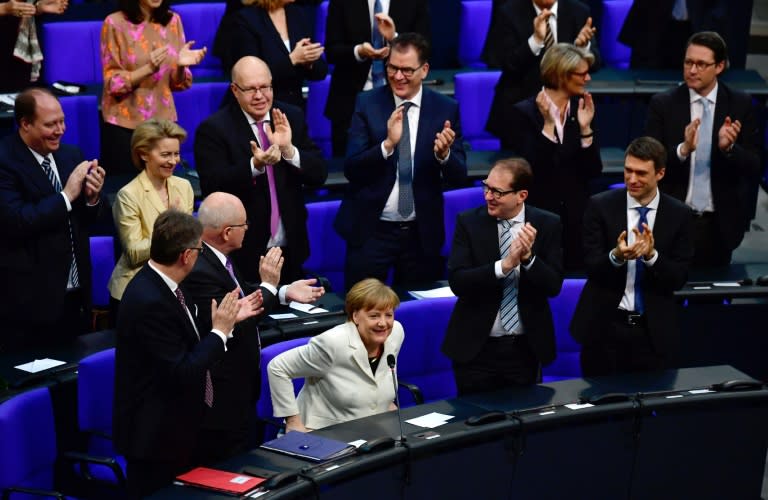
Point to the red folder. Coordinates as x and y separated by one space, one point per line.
220 480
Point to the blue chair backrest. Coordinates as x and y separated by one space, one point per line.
71 52
566 365
473 29
82 118
102 263
474 91
200 22
319 126
320 17
28 450
614 53
195 105
455 202
420 360
96 392
326 248
264 404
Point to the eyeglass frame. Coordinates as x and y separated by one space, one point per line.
580 74
199 249
264 89
496 193
245 224
700 65
392 70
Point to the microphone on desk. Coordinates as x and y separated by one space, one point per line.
391 363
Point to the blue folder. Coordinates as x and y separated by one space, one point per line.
309 446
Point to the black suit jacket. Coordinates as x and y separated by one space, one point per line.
237 378
222 156
160 367
36 252
732 174
604 220
349 24
472 278
254 34
507 48
371 177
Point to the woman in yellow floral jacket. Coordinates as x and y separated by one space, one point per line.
144 58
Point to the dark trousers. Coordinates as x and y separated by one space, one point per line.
147 476
708 245
393 245
115 154
339 131
503 362
621 348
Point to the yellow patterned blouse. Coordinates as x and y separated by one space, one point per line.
125 47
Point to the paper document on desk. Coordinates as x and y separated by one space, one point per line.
430 420
39 365
307 308
435 293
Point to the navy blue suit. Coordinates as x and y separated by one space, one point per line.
371 176
254 34
36 252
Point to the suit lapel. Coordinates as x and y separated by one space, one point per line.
174 304
359 352
32 169
721 111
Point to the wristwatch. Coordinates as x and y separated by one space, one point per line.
527 261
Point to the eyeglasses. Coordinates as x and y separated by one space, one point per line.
245 224
580 74
199 249
264 89
496 193
407 72
700 65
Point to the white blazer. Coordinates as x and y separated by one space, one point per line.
339 385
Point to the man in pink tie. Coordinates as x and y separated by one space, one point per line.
258 150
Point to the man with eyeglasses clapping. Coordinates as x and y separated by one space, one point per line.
404 143
258 149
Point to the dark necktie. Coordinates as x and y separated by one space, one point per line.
274 218
377 65
405 167
639 266
508 311
549 37
208 382
74 276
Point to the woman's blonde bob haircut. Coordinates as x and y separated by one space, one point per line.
560 61
149 133
370 294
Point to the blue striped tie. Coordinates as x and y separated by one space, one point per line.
74 276
639 266
377 65
508 311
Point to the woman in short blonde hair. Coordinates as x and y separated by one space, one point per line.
341 367
155 147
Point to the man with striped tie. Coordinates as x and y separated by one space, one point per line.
506 260
636 250
48 196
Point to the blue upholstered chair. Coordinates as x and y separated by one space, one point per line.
566 365
326 248
200 22
28 452
473 28
95 397
474 91
71 52
320 17
319 126
195 105
420 361
455 202
82 119
614 53
102 263
264 404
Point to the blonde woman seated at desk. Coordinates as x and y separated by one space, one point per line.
345 367
155 151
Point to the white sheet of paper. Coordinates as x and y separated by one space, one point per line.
726 283
357 443
430 420
283 316
307 308
39 365
700 391
435 293
576 406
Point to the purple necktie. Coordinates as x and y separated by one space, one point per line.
231 271
208 382
275 212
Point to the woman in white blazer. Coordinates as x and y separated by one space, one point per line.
345 368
